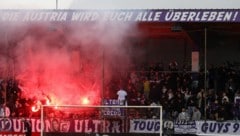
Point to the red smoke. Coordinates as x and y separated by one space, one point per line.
66 63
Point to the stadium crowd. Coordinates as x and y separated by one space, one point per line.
181 92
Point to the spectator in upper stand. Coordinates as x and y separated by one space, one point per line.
172 81
236 111
146 88
191 105
200 100
199 97
170 94
155 92
187 94
138 99
3 91
214 110
226 110
155 111
183 116
237 97
173 66
164 89
131 96
139 86
133 77
225 97
17 109
4 110
122 96
236 106
196 114
231 88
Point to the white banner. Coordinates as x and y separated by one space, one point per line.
145 126
218 128
112 111
63 125
185 127
157 15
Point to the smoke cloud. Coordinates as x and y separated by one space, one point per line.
64 62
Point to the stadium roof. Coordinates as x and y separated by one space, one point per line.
151 29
